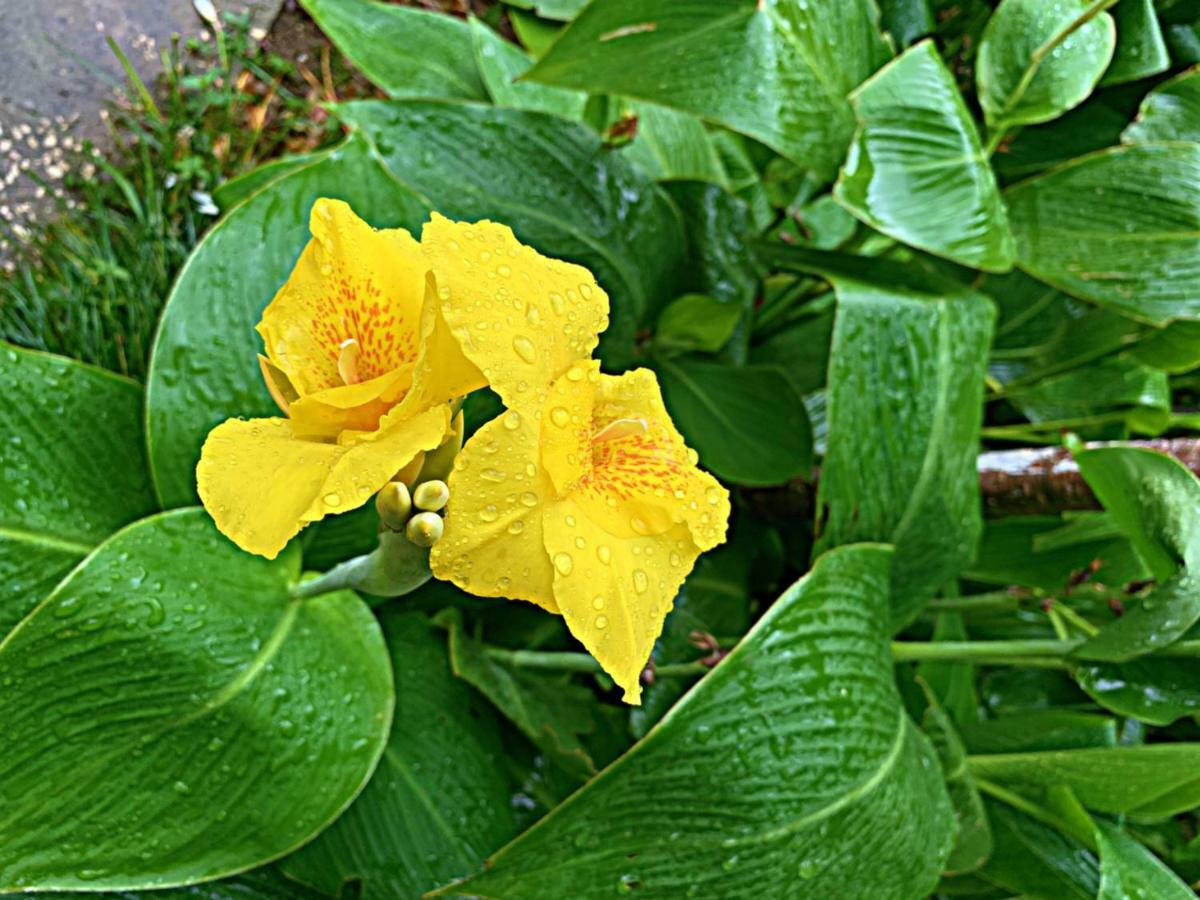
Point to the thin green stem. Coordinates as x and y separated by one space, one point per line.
1075 619
993 600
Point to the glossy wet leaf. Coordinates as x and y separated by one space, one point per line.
1038 59
439 801
1141 48
1154 690
74 470
1120 227
229 194
1156 501
552 181
900 461
695 322
907 21
1155 780
747 423
719 227
973 843
916 169
777 71
1170 112
670 144
260 884
1037 861
204 368
870 820
501 63
407 52
1102 388
1128 869
194 719
551 711
1040 729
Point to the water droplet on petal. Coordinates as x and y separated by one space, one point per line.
601 621
524 348
597 602
560 417
512 420
604 554
564 563
640 582
529 498
489 513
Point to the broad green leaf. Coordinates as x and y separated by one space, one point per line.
1155 499
695 322
73 467
553 712
1170 112
916 169
500 65
230 193
973 844
1120 227
1174 349
1042 332
562 10
1014 691
552 181
439 801
747 423
1038 59
172 714
776 70
1141 48
1128 869
1151 781
907 21
259 884
1153 690
1040 729
1011 553
799 350
905 390
1093 125
407 52
204 368
757 737
1098 389
672 145
1037 861
718 260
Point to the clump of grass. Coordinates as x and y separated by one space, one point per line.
91 282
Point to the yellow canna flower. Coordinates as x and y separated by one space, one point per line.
581 497
360 359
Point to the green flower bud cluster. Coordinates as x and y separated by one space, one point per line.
415 512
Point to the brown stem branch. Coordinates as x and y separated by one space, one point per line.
1024 482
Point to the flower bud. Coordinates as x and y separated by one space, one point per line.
431 495
394 505
424 529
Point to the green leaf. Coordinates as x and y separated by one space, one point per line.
1155 499
173 715
1040 729
670 144
747 423
1037 861
1120 227
1174 349
718 261
230 193
695 322
1127 869
259 884
1151 781
551 711
406 52
1170 112
754 737
775 70
501 63
204 368
1117 383
973 844
439 801
916 170
905 391
552 181
907 21
74 469
1141 48
1039 59
1152 690
562 10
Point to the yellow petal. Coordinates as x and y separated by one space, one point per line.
567 425
644 478
441 372
359 407
278 385
262 484
521 317
615 592
492 545
350 283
